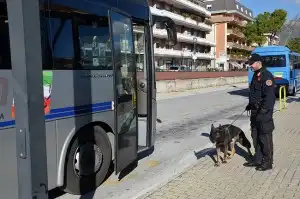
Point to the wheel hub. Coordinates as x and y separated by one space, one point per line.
88 159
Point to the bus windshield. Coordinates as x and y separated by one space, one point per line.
274 61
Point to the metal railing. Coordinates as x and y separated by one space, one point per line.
280 98
239 46
181 19
236 33
183 37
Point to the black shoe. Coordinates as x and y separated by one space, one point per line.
251 164
264 167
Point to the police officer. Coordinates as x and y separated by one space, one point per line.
261 105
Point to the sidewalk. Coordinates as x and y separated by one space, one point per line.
233 180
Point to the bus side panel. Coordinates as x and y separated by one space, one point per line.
91 101
281 75
8 164
8 152
8 139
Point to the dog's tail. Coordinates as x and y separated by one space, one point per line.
244 141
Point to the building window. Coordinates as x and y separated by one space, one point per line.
242 9
237 6
250 14
246 11
208 7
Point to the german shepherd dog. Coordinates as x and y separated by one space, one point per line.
225 137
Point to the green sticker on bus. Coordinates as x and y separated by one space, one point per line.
278 74
47 85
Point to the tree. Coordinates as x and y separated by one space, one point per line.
294 44
254 32
265 23
276 22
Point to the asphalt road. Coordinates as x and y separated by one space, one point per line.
181 138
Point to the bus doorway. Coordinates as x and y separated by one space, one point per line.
144 86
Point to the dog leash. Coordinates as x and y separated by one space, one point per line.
238 117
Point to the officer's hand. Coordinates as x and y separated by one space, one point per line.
248 107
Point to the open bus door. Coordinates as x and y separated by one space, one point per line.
125 75
126 122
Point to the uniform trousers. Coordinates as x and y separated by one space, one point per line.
262 127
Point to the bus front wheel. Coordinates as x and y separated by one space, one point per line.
88 160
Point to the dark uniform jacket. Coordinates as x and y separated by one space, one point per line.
262 95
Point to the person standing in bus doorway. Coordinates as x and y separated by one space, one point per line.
261 105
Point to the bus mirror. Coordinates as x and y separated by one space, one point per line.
170 27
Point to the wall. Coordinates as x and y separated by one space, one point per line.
166 86
196 75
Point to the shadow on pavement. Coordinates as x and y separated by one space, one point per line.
211 152
57 192
292 99
204 152
242 92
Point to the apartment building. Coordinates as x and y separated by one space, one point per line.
193 50
230 16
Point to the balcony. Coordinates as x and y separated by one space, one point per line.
239 46
230 19
237 22
162 33
236 33
180 20
163 52
190 5
237 57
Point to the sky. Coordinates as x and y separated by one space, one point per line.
260 6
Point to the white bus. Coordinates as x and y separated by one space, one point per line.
99 110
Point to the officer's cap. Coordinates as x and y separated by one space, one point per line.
254 58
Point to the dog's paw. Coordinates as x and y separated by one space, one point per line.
224 162
229 157
217 164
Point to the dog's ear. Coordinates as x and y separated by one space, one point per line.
212 127
219 125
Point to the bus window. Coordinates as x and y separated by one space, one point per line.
5 62
61 41
95 44
274 61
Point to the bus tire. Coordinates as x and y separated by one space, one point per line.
79 184
294 92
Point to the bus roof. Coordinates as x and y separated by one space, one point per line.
135 8
270 49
